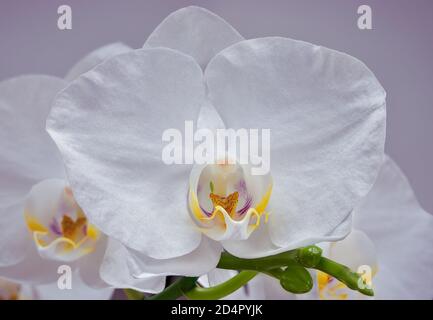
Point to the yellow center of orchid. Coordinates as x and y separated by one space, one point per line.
72 229
66 235
229 203
222 203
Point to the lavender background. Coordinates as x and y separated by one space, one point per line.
398 50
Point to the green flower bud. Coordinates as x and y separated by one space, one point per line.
296 279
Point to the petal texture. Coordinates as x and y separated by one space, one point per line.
354 251
403 235
115 271
28 153
14 235
196 263
260 244
33 269
196 32
326 113
96 57
108 125
79 291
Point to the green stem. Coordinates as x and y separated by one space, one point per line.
344 274
223 289
176 289
227 261
270 264
288 267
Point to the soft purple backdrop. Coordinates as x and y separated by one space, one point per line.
398 50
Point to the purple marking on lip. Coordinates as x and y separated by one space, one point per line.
84 230
55 228
246 206
242 188
205 211
241 211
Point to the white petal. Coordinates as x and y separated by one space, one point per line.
259 244
79 291
90 265
354 251
196 32
96 57
115 271
108 125
196 263
326 113
43 200
28 155
33 269
14 235
403 235
209 118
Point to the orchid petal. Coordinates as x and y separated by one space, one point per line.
78 291
28 155
115 271
108 126
401 230
194 31
200 261
326 113
96 57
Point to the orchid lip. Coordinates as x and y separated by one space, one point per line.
222 205
63 234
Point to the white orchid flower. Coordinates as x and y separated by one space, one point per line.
325 110
42 227
392 236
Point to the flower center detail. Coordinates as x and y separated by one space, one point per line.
229 203
71 229
59 226
226 202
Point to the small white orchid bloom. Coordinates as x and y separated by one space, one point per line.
391 245
325 110
42 226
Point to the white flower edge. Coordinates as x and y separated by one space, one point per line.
399 236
